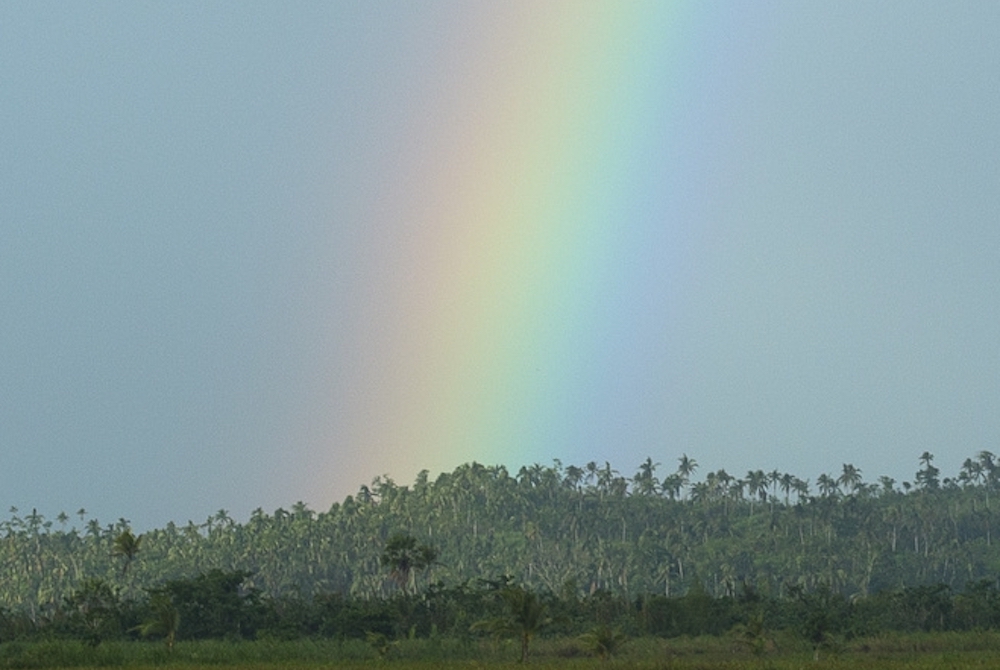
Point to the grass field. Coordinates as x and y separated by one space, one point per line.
933 651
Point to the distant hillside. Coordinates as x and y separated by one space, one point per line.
558 528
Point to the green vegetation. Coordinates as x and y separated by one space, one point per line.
127 546
548 526
553 564
404 557
163 620
603 641
524 616
917 652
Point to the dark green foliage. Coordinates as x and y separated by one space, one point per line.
163 618
524 616
212 605
823 615
404 557
694 613
551 526
653 554
978 607
922 608
331 616
603 641
380 643
92 613
127 546
753 635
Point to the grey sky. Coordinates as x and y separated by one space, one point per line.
183 194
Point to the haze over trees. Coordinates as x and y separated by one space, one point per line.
589 528
584 552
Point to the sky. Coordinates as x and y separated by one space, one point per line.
257 255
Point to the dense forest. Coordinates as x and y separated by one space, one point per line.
589 541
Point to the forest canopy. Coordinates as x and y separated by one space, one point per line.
584 551
589 528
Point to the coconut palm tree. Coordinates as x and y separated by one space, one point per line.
645 482
402 555
127 546
850 478
164 618
526 615
685 468
672 485
927 477
786 485
828 486
756 486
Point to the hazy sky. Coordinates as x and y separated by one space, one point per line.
193 214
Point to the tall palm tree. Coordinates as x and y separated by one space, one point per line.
672 485
685 468
990 471
786 484
605 478
127 546
828 486
927 477
850 478
801 488
756 486
774 479
573 477
645 482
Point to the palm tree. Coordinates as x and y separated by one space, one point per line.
605 478
573 477
757 486
403 555
735 490
700 492
801 488
685 468
724 482
672 485
988 461
971 473
850 479
526 616
828 486
786 484
645 482
127 546
927 477
989 467
164 618
774 479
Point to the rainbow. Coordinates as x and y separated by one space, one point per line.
536 220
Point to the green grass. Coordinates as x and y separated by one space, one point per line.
892 652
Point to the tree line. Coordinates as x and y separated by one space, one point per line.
588 535
223 606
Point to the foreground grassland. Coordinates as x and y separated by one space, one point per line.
945 650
